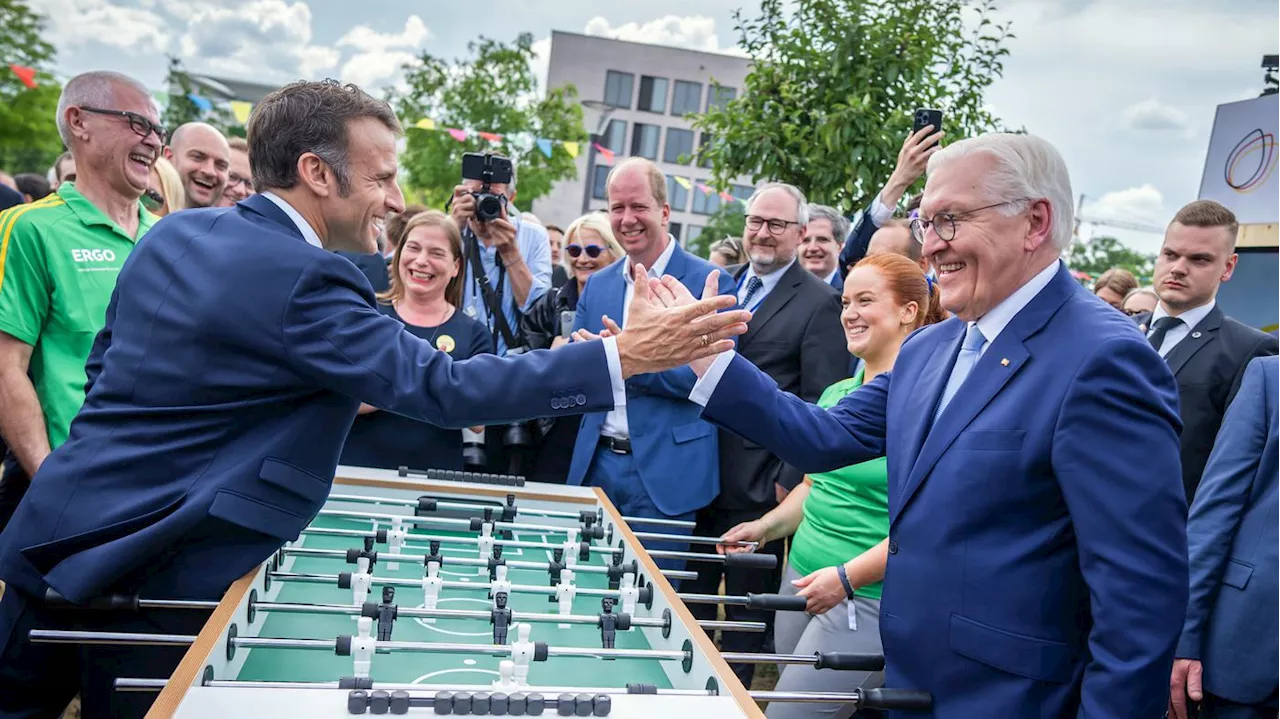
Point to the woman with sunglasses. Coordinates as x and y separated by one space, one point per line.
164 189
589 247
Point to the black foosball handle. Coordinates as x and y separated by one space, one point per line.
849 661
109 602
751 560
905 699
778 602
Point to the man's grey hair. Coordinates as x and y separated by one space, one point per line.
802 205
92 89
839 223
1028 168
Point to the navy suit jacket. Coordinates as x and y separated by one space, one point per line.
1232 538
222 387
374 266
675 451
1037 542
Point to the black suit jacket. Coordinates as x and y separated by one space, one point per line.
1209 364
374 267
795 338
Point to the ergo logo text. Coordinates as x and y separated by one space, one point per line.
93 255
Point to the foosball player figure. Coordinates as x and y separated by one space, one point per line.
496 561
387 612
555 566
434 554
368 554
500 618
500 585
608 623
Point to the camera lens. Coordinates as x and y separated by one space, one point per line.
488 207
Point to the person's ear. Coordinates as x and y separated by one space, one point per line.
316 175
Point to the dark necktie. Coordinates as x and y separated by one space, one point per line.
753 286
1162 327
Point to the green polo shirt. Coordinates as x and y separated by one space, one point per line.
847 510
59 259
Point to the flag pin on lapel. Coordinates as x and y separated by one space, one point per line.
1195 335
1004 362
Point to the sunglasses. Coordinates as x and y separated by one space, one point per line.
575 251
152 200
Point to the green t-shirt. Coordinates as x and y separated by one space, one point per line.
846 512
59 259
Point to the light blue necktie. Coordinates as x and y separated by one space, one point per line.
973 342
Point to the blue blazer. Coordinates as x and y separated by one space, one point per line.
676 453
1037 542
222 387
1232 536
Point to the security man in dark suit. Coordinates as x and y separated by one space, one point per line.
795 337
1207 351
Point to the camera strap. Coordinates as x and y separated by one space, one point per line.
492 299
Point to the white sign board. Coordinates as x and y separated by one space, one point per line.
1240 170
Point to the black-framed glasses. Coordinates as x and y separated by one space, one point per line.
137 123
152 200
944 223
233 179
776 226
575 251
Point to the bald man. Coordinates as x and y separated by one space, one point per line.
202 157
895 239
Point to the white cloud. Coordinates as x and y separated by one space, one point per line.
1151 114
381 57
1139 205
262 39
693 32
541 63
136 31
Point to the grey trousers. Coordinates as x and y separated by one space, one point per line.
799 633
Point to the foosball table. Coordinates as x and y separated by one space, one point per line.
414 593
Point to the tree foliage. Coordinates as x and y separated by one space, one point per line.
182 109
1102 253
493 90
29 139
834 85
728 221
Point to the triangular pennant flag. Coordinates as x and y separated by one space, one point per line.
425 123
201 103
545 145
572 149
459 135
489 136
241 110
705 190
605 152
26 74
683 182
726 196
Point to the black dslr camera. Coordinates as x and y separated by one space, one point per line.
488 169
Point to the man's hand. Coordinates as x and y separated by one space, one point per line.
463 207
1184 683
913 158
670 292
665 333
822 588
501 235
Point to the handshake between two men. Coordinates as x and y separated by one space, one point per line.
666 327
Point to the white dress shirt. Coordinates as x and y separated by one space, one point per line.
610 343
615 423
991 324
767 283
1180 331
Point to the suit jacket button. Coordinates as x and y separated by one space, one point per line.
555 403
582 399
893 546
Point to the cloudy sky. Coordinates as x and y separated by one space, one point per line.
1126 89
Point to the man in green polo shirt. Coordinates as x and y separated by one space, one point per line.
59 258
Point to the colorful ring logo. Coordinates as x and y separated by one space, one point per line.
1251 162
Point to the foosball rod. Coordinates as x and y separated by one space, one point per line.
594 532
863 698
474 562
525 544
475 507
905 699
516 616
59 636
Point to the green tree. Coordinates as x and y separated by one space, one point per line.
493 91
834 85
728 221
1102 253
182 109
29 139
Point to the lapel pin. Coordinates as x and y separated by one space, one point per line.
1142 328
1004 362
1195 335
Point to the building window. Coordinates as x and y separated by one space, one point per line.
674 228
719 96
742 192
644 141
677 196
617 88
599 182
679 142
687 98
653 94
692 235
615 137
703 203
706 139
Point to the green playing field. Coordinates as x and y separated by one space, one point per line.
316 665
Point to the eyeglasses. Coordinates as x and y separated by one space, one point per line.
575 251
944 223
776 226
137 123
233 179
152 200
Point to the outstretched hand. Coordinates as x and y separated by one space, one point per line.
667 328
670 292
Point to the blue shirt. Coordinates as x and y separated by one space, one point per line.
535 248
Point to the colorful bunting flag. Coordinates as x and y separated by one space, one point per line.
726 196
425 123
459 135
572 149
683 182
705 190
201 103
241 110
605 152
545 145
26 74
490 137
